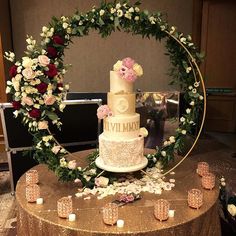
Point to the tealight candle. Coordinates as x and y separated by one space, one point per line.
32 192
171 213
39 201
161 209
195 198
64 207
120 223
208 181
72 217
31 177
202 168
110 213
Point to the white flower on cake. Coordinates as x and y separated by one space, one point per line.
231 209
143 131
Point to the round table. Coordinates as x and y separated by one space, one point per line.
36 220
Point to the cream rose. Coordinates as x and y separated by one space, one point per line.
42 125
117 66
16 84
28 101
143 131
231 209
138 69
101 181
28 73
56 149
27 62
43 60
49 100
72 164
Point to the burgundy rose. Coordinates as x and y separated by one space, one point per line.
52 71
52 52
16 105
42 87
35 113
13 71
58 40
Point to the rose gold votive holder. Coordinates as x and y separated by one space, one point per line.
64 207
208 181
202 168
195 198
32 192
31 177
161 209
110 213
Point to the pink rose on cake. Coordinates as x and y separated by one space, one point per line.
128 69
103 111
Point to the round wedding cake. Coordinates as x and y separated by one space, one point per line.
121 145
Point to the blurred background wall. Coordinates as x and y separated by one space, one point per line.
93 57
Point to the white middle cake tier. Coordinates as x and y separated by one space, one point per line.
122 127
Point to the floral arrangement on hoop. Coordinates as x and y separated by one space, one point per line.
37 80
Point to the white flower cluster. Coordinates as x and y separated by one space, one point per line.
132 185
10 56
31 43
47 33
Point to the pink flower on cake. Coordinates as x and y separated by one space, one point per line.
101 181
49 100
72 164
103 111
130 75
128 62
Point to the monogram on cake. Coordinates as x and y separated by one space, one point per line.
121 145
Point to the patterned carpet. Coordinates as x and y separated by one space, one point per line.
7 207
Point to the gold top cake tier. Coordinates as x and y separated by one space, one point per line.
119 85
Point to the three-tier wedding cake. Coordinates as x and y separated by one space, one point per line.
121 145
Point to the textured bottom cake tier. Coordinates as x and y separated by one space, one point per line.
121 155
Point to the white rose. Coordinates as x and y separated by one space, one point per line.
131 9
231 209
201 97
137 9
192 103
117 66
183 131
138 69
65 25
8 90
45 29
118 6
194 90
101 13
136 18
188 110
16 84
72 164
163 153
43 60
28 73
27 62
172 139
119 13
182 119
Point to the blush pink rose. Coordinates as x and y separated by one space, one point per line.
101 181
28 73
28 101
49 100
103 111
72 164
128 62
130 75
42 125
56 149
43 60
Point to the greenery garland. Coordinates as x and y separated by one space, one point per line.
37 85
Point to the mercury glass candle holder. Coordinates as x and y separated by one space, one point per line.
110 213
161 209
32 192
195 198
202 168
64 207
31 177
208 181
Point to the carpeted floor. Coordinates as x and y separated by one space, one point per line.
7 207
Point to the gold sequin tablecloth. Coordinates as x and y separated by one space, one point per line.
42 220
